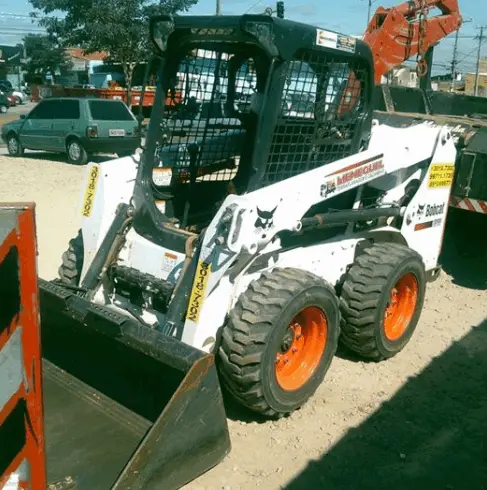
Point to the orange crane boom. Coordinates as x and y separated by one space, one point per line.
398 33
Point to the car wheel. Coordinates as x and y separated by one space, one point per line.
14 147
18 100
3 109
76 153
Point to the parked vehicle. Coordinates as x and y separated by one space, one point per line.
78 126
11 100
17 94
20 96
4 103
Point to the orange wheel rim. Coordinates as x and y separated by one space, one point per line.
301 349
401 306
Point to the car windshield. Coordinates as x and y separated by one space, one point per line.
109 111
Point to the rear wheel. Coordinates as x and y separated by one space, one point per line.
72 261
381 300
76 153
279 341
3 109
13 145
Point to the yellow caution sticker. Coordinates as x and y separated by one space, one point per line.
90 191
203 273
441 175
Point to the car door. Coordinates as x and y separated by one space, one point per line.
65 122
36 132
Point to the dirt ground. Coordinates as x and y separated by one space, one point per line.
416 421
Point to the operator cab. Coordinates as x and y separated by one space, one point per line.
245 102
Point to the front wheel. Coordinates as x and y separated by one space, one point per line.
76 153
72 261
13 145
279 341
3 109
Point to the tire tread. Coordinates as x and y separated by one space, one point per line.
362 292
248 329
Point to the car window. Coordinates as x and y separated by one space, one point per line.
44 110
66 109
109 111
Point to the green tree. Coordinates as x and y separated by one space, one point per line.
117 27
44 55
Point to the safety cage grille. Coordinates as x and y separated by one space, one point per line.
324 99
201 112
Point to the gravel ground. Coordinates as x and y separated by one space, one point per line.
415 421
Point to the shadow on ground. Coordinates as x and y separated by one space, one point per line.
464 254
431 435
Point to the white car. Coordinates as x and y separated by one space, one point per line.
21 96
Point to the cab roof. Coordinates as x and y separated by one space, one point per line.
282 36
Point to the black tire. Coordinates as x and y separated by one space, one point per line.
72 261
254 333
76 153
13 146
365 296
3 109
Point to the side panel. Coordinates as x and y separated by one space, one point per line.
22 454
425 218
106 185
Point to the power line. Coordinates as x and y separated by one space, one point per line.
470 54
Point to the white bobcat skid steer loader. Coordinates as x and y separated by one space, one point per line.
264 231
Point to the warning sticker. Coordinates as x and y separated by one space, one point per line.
328 39
346 43
441 175
162 176
196 300
90 191
169 262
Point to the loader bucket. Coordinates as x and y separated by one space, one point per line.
126 407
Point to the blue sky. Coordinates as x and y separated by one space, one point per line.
347 16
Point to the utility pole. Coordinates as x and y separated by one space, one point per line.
455 54
477 71
454 62
218 7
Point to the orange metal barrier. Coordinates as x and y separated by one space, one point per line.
22 451
44 91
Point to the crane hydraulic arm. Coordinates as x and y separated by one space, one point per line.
398 33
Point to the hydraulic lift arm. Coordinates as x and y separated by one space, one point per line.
398 33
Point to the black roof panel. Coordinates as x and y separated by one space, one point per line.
288 36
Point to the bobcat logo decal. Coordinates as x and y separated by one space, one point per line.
265 219
421 210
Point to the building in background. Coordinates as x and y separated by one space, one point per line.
404 76
443 83
82 66
470 80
